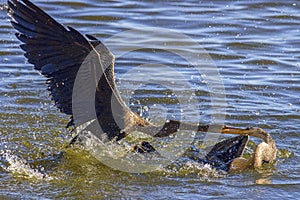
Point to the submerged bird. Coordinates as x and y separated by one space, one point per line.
264 152
59 53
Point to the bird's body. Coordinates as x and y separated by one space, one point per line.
60 54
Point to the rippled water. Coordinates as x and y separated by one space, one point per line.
255 47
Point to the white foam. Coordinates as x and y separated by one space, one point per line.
20 167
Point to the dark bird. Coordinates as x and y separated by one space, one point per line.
60 54
265 151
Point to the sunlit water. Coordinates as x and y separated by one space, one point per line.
255 47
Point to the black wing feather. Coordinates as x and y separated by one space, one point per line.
224 152
57 52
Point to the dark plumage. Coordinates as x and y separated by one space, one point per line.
60 54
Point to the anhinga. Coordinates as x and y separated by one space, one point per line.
58 53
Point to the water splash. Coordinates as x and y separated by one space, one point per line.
187 168
19 167
119 152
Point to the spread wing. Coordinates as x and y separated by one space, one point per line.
224 152
79 70
55 51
